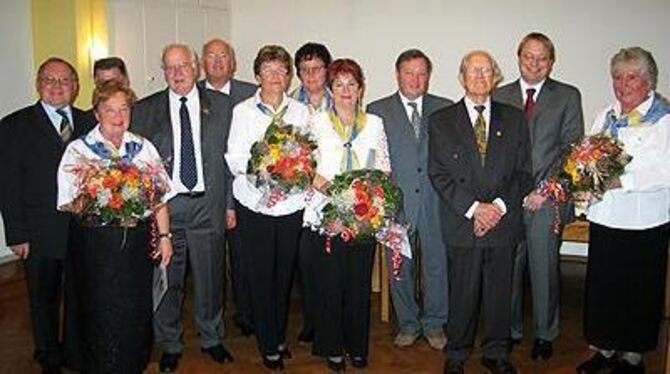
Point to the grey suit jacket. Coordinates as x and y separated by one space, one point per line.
557 122
239 90
151 119
409 155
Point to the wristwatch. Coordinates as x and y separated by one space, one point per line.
167 235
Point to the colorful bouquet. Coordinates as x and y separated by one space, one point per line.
283 163
116 191
586 172
363 205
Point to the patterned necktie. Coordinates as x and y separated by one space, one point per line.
480 132
416 118
530 104
65 128
187 168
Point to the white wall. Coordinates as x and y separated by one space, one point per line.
374 32
16 66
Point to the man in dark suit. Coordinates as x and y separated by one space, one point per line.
405 116
219 64
479 163
32 141
553 113
189 127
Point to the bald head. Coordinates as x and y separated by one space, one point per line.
218 62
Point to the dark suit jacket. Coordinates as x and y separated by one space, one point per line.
409 155
455 169
239 90
151 119
30 152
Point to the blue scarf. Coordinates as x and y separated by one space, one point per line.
658 109
102 151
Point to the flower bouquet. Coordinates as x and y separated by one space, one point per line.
585 173
116 191
283 163
363 205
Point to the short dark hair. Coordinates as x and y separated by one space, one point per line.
109 63
59 60
411 54
272 53
538 37
310 51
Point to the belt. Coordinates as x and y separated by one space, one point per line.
192 194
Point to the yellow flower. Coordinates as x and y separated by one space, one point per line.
274 151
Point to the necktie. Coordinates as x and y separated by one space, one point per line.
65 128
187 169
530 104
480 132
416 118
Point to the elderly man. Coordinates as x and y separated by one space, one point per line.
34 229
479 162
553 112
189 125
110 69
219 64
405 115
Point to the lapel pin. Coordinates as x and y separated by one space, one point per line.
499 134
205 111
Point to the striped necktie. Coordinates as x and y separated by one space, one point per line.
65 128
480 132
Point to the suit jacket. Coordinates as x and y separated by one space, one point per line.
239 90
409 154
455 168
30 151
151 119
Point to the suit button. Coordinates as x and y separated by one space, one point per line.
419 170
417 190
462 180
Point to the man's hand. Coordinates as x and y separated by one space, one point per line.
487 216
533 201
231 219
164 251
22 250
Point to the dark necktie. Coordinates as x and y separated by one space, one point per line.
480 131
65 128
187 169
416 118
530 104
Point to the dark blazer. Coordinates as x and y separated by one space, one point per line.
455 169
151 119
239 90
409 154
30 152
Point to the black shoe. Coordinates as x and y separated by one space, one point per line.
218 353
51 369
285 354
542 349
498 365
359 362
596 364
512 343
336 366
453 367
306 336
274 365
169 362
622 366
246 327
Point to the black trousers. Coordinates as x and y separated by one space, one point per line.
309 244
48 279
270 249
239 278
480 281
343 279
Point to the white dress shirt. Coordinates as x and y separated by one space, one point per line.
408 109
473 114
225 89
193 105
643 201
525 86
248 126
78 152
56 118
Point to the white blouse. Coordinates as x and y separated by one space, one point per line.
78 150
643 201
248 126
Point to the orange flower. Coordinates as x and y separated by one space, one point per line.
116 202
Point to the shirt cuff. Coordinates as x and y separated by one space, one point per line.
471 212
627 182
500 204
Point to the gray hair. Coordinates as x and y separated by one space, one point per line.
497 73
640 59
191 53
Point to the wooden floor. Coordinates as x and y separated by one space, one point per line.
570 349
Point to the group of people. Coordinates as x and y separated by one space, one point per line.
467 170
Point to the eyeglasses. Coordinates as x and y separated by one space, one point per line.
529 57
267 72
479 71
311 70
179 66
216 56
53 81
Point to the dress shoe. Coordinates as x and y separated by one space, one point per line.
437 340
498 365
622 366
336 366
596 364
512 343
285 353
542 349
51 369
405 339
246 328
273 364
218 353
169 362
359 362
453 367
306 336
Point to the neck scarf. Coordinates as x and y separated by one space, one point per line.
613 123
347 135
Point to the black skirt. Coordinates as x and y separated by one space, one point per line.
625 287
114 288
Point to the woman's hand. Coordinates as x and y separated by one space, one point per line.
321 183
164 251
